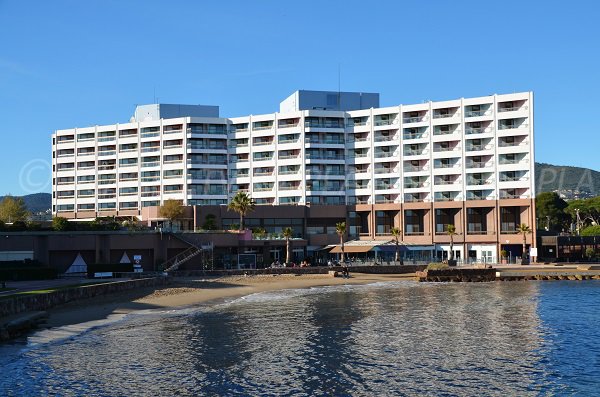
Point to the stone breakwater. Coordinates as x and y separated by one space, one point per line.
44 301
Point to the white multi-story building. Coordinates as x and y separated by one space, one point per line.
468 162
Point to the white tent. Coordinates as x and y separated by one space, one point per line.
78 265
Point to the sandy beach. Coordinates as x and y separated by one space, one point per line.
193 291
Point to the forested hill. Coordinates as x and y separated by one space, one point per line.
37 202
549 178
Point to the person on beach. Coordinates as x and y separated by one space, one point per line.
345 271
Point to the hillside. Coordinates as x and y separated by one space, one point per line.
549 178
37 202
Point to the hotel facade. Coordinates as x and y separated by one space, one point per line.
332 156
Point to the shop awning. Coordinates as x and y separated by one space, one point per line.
351 249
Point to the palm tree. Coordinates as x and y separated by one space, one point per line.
340 229
397 233
524 230
288 233
451 231
241 203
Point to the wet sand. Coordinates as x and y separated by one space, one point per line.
193 291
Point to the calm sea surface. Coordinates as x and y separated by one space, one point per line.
387 339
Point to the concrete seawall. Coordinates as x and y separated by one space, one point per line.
44 301
300 270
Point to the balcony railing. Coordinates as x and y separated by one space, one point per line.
382 155
413 168
207 147
309 124
416 185
150 178
386 138
417 152
446 149
445 182
512 126
480 164
514 179
149 134
512 109
262 127
266 158
416 136
151 164
513 161
291 125
437 132
151 149
384 170
352 139
478 130
513 144
445 115
288 156
324 141
478 182
475 148
323 157
262 143
289 187
417 119
291 172
478 113
385 122
263 189
283 141
107 153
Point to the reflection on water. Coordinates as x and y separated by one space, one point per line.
386 339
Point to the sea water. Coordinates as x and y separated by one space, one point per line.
384 339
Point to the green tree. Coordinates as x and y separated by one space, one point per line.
397 233
524 230
243 204
60 224
288 233
593 230
340 229
171 210
209 222
451 231
13 209
550 210
260 232
588 210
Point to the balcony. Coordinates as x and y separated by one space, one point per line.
502 127
310 156
477 148
263 189
414 168
513 161
514 178
150 134
416 135
263 158
261 127
150 149
513 144
289 140
384 170
386 138
415 119
478 130
415 152
151 164
480 164
325 141
479 113
382 155
107 153
416 185
150 178
379 123
441 149
263 143
201 146
512 109
478 182
289 187
150 194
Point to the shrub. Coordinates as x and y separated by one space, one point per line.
437 266
60 224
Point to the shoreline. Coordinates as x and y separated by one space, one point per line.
191 291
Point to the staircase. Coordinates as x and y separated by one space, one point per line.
195 248
173 264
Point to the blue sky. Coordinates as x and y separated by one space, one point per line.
70 64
